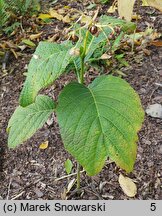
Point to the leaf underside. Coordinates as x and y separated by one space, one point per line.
47 64
25 121
100 120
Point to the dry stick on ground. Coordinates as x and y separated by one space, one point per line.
87 190
66 176
18 195
8 192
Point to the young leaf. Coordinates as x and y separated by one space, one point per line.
125 26
117 42
93 43
68 166
100 120
47 64
25 121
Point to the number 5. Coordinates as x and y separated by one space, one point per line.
153 207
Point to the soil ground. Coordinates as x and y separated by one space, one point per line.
28 172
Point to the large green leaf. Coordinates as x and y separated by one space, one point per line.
25 121
100 120
47 64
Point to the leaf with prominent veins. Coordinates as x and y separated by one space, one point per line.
100 120
25 121
48 63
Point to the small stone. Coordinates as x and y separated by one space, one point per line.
15 185
160 149
38 192
50 121
148 142
160 72
108 196
150 163
142 90
140 150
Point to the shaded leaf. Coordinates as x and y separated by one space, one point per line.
128 186
26 121
100 120
91 6
117 42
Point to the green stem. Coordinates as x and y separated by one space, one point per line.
78 176
81 80
82 72
82 57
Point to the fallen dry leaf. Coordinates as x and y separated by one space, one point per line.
157 43
135 16
112 9
144 3
66 19
125 9
154 110
128 186
61 11
155 3
70 185
35 36
44 16
105 56
55 14
14 53
44 145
